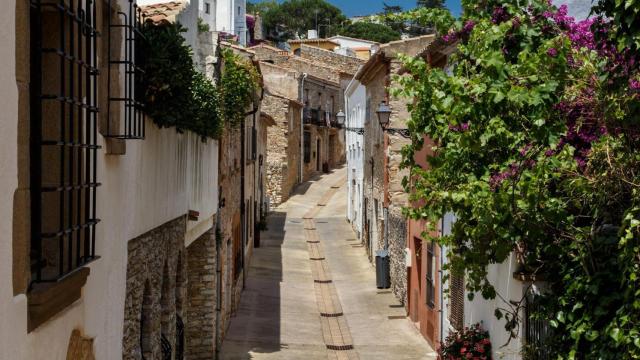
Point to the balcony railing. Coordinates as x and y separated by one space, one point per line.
319 117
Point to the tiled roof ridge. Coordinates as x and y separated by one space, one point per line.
305 41
165 12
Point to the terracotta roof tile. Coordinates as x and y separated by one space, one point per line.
310 41
163 13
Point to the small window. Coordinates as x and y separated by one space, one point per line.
239 10
207 8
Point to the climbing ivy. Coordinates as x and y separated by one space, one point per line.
538 154
177 95
239 84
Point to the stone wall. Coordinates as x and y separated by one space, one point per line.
155 290
278 149
270 54
313 68
229 182
397 237
201 297
346 64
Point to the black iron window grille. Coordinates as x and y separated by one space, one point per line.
179 338
537 330
63 139
127 101
165 346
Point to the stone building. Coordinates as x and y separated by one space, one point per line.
384 226
283 150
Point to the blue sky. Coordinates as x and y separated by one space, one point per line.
366 7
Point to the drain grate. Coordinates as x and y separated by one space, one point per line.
323 281
340 347
320 258
331 314
396 317
313 241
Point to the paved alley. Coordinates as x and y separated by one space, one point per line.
310 291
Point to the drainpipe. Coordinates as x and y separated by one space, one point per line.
300 169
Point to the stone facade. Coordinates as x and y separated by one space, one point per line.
229 217
383 190
201 295
283 153
155 290
345 64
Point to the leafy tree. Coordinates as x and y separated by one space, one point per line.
432 4
261 7
390 9
538 154
370 31
294 17
626 21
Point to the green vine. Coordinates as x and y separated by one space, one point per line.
239 84
538 154
177 95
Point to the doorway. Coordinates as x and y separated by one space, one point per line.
318 155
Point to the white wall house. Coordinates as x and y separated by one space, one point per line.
231 18
354 47
145 183
355 103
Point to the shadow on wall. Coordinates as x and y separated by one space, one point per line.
256 326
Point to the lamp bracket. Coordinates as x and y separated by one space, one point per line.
401 132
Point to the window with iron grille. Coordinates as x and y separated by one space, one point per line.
431 302
307 147
63 139
537 330
124 24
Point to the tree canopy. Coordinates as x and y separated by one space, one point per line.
294 17
432 4
370 31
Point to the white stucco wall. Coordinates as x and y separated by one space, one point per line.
350 43
158 179
231 18
355 103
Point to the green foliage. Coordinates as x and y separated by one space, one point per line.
420 20
261 7
626 17
238 86
174 93
370 31
433 4
536 154
177 95
202 26
294 17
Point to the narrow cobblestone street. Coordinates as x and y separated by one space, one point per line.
310 292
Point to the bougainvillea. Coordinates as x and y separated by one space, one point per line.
538 154
470 343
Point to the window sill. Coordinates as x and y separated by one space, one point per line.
45 300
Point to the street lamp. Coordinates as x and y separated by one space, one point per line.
340 117
384 115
